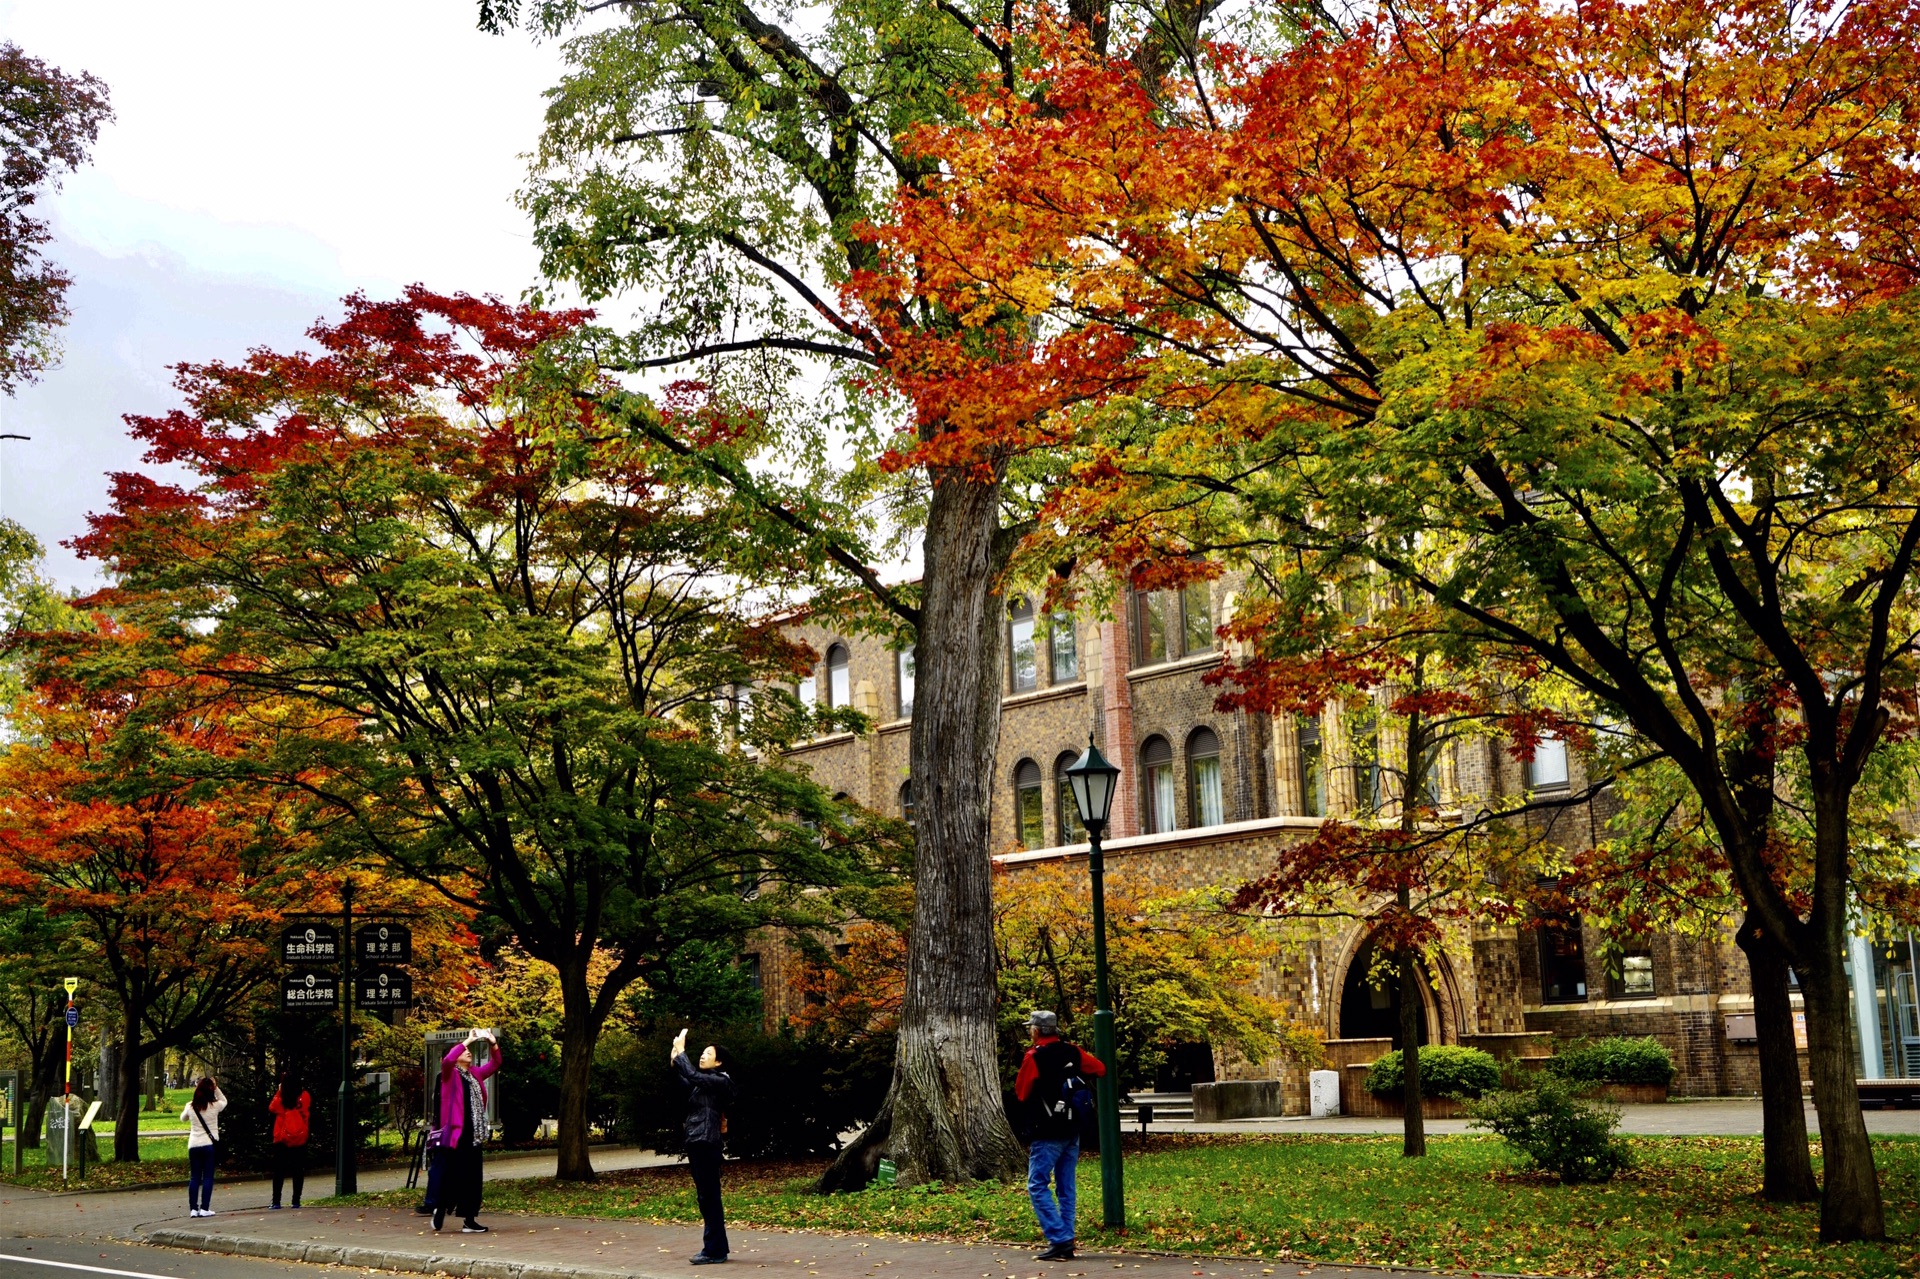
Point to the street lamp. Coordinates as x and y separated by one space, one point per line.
1094 781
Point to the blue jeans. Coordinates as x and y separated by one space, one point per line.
1053 1161
200 1177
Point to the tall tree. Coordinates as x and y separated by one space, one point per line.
37 951
1611 298
724 158
48 122
542 628
108 816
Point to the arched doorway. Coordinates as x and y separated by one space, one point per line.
1368 1011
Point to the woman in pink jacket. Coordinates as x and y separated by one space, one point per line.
463 1131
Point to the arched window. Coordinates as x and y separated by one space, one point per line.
1071 830
905 669
839 677
1027 811
1156 784
1021 656
1313 768
1205 805
906 801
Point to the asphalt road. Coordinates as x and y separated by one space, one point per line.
42 1258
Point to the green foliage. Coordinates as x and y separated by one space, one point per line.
1556 1129
1446 1070
1614 1060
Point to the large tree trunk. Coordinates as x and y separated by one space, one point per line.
578 1033
132 1073
1788 1166
1413 1142
943 1118
46 1077
1850 1206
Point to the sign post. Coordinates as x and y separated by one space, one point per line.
346 1179
66 1100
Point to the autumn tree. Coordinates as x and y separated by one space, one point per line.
112 815
49 120
723 158
37 951
1613 297
543 627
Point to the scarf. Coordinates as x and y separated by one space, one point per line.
476 1108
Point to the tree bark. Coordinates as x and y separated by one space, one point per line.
46 1077
1413 1141
579 1030
1850 1205
1788 1165
943 1118
131 1070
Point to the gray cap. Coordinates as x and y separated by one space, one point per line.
1043 1021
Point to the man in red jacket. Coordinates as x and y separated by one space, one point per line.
1052 1085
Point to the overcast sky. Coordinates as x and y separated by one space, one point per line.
264 160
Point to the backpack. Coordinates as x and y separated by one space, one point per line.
1062 1098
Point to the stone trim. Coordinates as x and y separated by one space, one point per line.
1050 693
821 743
1179 666
328 1254
1228 833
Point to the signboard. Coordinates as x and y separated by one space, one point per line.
73 1016
384 944
309 991
382 988
310 944
86 1120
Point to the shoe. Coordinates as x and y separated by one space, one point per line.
206 1212
439 1217
193 1212
473 1228
704 1260
1059 1252
296 1203
424 1210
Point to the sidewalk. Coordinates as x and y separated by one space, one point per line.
1683 1117
575 1248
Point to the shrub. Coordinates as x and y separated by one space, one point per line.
1614 1060
1556 1129
1446 1070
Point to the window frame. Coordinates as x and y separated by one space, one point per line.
904 673
1570 928
1195 808
1158 822
1204 591
1028 781
1066 821
1020 612
1149 641
1059 627
1307 734
844 671
1565 780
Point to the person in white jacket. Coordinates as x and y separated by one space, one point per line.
202 1117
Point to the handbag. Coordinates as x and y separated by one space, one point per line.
211 1139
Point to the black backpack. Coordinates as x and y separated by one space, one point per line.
1062 1099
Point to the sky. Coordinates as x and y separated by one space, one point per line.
264 160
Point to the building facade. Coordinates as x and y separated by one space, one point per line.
1207 798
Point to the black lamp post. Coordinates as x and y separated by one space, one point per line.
1094 781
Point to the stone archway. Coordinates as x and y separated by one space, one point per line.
1360 1011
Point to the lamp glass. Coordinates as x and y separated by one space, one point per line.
1093 780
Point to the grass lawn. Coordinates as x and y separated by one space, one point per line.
162 1160
1689 1207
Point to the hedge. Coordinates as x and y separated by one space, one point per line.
1446 1070
1614 1060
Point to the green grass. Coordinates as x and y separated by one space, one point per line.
1689 1207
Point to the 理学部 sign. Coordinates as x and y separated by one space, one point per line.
384 944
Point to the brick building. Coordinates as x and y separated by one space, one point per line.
1206 798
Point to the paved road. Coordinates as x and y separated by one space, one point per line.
122 1214
76 1258
1701 1117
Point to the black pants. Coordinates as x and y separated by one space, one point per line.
460 1182
704 1158
289 1161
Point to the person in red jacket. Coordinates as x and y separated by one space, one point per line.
1052 1086
292 1111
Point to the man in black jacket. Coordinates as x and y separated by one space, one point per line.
712 1093
1052 1084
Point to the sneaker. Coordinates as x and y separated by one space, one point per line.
473 1228
704 1260
439 1217
206 1212
276 1207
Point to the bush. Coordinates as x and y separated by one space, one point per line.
1615 1060
1446 1070
1556 1129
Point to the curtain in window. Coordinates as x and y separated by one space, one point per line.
1156 770
1066 653
1203 779
1071 829
1027 807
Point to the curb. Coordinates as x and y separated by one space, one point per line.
327 1254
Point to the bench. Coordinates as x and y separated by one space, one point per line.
1882 1094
